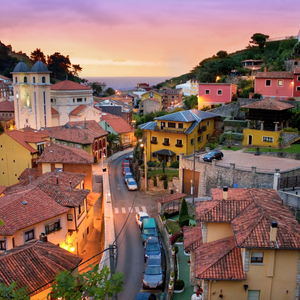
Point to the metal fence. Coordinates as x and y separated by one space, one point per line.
289 182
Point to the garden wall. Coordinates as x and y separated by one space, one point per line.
172 185
279 154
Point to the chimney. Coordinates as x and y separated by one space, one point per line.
225 191
43 237
265 69
57 179
70 185
273 231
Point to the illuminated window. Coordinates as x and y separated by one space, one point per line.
280 82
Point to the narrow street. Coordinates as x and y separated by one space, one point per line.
130 258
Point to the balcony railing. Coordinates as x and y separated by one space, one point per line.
169 129
201 129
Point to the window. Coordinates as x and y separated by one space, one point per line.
206 92
40 148
70 217
298 88
154 139
25 79
51 100
199 139
298 78
268 82
73 100
52 227
296 63
64 143
257 257
180 125
219 92
268 139
33 79
208 136
79 99
171 125
16 79
178 143
13 242
151 94
280 82
2 245
43 79
81 209
192 141
77 146
177 157
166 141
84 99
71 145
207 123
253 295
29 235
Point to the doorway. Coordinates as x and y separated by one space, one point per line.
249 139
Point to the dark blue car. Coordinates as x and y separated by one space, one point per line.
153 275
214 154
152 247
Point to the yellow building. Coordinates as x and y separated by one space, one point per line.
151 94
250 246
172 134
18 150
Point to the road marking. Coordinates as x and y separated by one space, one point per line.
118 187
129 208
144 208
116 210
123 210
137 209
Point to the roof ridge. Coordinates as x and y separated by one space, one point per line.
28 245
197 118
183 115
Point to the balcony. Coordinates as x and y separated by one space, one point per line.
154 142
179 145
202 129
169 129
166 144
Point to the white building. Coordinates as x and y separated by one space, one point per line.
189 88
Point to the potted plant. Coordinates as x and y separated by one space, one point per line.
179 286
164 220
172 276
170 285
173 251
189 262
170 232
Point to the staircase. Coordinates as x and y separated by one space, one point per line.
289 138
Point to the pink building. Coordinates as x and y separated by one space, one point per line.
210 94
297 83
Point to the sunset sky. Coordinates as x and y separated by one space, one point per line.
142 38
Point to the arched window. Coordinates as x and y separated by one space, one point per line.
33 79
96 145
25 79
104 140
100 144
16 79
43 79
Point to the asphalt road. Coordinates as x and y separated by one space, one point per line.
130 258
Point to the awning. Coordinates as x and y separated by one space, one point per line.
164 152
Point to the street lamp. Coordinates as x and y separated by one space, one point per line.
102 161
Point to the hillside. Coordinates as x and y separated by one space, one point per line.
273 55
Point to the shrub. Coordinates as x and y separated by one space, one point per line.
151 164
165 184
174 237
164 218
234 97
163 176
179 285
149 169
157 164
172 273
154 180
183 215
175 164
256 96
289 129
291 99
166 215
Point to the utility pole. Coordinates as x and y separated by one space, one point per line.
112 265
146 166
193 184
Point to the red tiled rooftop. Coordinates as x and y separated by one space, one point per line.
269 104
4 78
56 153
297 71
67 85
192 237
219 260
54 111
117 123
7 106
37 263
78 110
283 74
2 188
170 198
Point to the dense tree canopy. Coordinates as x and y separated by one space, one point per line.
38 54
59 65
259 39
191 101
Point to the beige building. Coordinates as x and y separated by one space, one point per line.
150 105
248 248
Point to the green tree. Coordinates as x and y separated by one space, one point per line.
177 109
184 214
191 101
297 50
59 65
11 293
112 138
110 91
280 142
93 283
228 137
97 89
76 69
138 133
222 54
38 54
259 39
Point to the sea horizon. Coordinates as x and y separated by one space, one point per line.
125 83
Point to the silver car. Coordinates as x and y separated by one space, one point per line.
153 275
131 184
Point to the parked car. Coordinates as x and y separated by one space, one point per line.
126 170
145 296
131 184
131 156
214 154
152 247
127 176
125 161
153 275
139 217
148 228
126 157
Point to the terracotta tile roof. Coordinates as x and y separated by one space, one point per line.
219 260
76 111
117 123
2 188
170 198
29 171
91 125
7 106
67 85
37 264
252 227
269 104
192 237
297 71
5 78
54 111
232 194
283 74
56 153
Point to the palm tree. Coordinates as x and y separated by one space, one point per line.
280 142
111 139
228 137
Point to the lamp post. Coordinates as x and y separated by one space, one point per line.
102 161
145 164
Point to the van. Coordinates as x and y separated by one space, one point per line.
149 228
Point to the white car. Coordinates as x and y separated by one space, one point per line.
127 176
131 184
139 218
